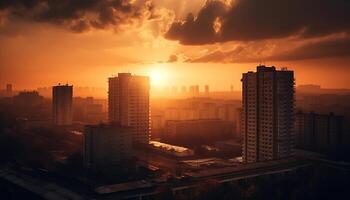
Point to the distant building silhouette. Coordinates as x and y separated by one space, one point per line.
309 88
28 98
88 110
8 90
206 90
128 104
267 115
106 146
196 90
62 96
29 105
191 91
183 90
174 90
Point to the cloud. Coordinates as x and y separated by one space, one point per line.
267 51
252 20
314 50
198 30
172 58
239 54
79 15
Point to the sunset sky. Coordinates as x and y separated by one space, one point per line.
176 42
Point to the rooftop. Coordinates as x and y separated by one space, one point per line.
134 185
169 147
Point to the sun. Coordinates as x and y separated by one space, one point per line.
158 76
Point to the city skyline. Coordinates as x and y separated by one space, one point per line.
176 78
175 99
136 146
155 92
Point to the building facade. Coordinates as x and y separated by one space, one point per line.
197 132
319 132
238 123
106 146
128 104
267 114
62 98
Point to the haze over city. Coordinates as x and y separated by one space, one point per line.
174 99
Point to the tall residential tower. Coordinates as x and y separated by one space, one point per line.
128 104
62 96
268 114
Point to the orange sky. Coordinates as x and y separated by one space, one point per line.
35 54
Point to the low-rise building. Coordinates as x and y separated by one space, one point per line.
106 146
318 132
197 132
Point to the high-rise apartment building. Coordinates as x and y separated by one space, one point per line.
62 96
194 91
191 91
128 104
106 146
268 114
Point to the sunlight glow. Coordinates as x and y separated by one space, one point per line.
158 76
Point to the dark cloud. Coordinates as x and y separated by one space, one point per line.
339 47
198 30
78 15
173 58
323 49
239 54
251 20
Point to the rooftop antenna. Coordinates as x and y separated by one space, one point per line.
261 63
